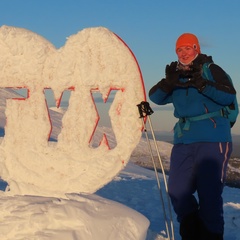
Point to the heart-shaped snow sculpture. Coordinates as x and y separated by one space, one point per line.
94 59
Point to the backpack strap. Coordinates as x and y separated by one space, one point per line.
206 71
187 120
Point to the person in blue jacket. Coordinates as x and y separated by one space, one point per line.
202 139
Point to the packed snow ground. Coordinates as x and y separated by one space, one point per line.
45 218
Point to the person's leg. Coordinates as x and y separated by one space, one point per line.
212 160
181 187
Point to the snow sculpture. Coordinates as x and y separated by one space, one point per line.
94 59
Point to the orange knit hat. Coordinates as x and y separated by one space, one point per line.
188 39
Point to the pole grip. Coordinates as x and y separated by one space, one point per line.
144 109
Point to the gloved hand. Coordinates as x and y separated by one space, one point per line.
196 80
196 67
172 73
194 74
172 76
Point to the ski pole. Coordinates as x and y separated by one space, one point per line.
145 111
158 180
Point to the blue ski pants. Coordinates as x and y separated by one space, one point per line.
196 179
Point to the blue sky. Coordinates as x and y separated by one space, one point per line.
149 27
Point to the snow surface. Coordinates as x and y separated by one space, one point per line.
45 198
49 218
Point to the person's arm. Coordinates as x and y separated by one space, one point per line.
221 90
158 95
221 80
161 93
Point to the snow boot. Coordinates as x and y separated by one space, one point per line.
205 234
189 227
212 236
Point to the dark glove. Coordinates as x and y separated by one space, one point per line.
197 82
172 76
172 73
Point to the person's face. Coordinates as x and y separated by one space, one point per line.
186 54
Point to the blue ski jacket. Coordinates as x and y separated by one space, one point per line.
189 104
